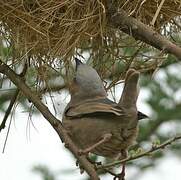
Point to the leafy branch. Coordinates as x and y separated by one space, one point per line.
154 148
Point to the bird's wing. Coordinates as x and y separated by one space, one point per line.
91 107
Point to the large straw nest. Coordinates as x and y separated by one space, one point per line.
60 28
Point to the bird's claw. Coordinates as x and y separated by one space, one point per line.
120 176
80 167
95 164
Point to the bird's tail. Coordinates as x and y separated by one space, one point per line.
130 91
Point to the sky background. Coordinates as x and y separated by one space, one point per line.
27 147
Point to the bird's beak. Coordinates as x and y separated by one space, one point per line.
78 62
141 115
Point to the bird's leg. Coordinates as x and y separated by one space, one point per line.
80 167
104 139
96 164
121 176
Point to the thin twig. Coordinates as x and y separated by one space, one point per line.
9 109
12 102
157 13
53 88
142 154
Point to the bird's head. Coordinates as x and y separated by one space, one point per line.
87 83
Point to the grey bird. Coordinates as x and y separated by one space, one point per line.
97 124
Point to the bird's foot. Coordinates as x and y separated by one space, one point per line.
120 176
96 164
80 167
116 176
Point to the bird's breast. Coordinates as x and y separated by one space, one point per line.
85 132
121 140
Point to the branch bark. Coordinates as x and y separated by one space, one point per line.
133 27
55 123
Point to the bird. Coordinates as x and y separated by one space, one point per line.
95 123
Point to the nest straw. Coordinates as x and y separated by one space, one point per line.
58 28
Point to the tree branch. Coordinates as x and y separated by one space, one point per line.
8 111
56 124
133 27
8 94
142 154
12 102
